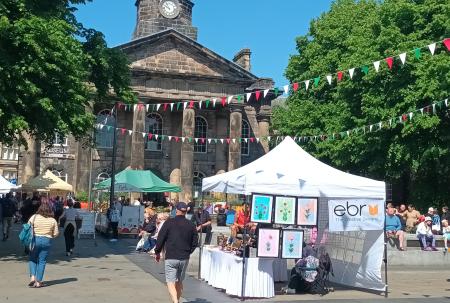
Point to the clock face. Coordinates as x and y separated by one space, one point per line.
169 8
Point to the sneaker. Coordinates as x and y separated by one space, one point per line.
428 249
113 240
68 253
434 249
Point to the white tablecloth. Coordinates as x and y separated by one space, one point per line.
224 270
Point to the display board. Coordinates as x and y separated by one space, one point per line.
131 219
88 225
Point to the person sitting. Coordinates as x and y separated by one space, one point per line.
242 221
161 218
446 233
394 227
203 223
425 235
412 218
148 229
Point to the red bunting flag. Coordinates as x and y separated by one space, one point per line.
165 106
252 139
150 136
191 104
228 140
177 139
447 43
123 130
389 62
295 86
257 95
224 101
339 76
202 140
404 117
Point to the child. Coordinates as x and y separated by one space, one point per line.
446 233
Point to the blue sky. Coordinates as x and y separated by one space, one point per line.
267 27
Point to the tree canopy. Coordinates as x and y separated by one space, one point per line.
52 69
413 156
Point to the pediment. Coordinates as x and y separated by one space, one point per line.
171 52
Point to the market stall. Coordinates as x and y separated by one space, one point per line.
5 186
346 209
47 182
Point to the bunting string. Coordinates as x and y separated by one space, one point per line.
335 77
430 109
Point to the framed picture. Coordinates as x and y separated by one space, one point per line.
285 210
268 243
307 211
262 208
292 244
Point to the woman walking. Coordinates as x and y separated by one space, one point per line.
45 228
69 216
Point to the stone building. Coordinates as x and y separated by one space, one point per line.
168 65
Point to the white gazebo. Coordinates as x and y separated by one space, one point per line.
5 185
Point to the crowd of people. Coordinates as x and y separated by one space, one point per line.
404 220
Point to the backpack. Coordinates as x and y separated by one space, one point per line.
114 215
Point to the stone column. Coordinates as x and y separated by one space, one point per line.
28 160
81 167
221 149
187 155
176 120
138 141
234 151
263 117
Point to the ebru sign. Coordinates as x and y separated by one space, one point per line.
355 215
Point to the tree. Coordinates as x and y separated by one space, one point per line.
52 69
414 156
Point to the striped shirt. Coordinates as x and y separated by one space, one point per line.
44 227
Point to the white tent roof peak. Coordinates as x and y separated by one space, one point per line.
289 170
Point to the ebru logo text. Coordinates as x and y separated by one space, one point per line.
354 210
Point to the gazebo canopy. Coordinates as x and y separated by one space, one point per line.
5 185
47 181
139 181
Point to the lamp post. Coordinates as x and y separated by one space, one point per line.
113 163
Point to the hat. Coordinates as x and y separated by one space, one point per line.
428 219
181 206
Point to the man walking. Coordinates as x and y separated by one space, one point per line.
9 208
178 236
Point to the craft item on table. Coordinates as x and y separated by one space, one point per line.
262 207
307 209
285 210
292 244
268 242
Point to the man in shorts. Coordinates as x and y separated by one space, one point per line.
178 237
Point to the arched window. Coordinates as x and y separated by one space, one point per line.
201 130
197 183
154 126
102 177
104 135
60 174
245 146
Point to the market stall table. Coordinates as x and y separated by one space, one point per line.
224 270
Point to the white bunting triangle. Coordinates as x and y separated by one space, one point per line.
221 140
268 139
134 107
130 132
209 141
257 140
446 102
156 137
102 126
307 84
230 98
421 111
266 91
171 107
329 79
380 125
249 95
376 64
432 48
185 105
403 58
182 139
143 135
348 133
370 128
234 140
390 122
286 89
158 106
170 138
196 140
214 102
200 104
410 116
434 108
146 107
245 140
351 72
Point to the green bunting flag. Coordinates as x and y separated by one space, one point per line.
178 105
190 139
365 69
239 98
207 103
417 53
276 90
316 81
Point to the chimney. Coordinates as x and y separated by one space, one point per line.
242 58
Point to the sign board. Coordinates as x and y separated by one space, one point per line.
131 219
356 215
88 225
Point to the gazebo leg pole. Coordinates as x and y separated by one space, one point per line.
244 254
385 260
200 241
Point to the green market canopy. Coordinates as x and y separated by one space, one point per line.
138 181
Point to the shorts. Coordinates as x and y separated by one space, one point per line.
175 270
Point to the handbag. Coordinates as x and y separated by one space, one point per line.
27 236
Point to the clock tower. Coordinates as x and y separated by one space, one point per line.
154 16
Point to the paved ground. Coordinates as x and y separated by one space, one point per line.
101 271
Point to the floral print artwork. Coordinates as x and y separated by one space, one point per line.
261 209
292 245
285 210
268 242
307 211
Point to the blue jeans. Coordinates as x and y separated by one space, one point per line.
424 239
38 257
